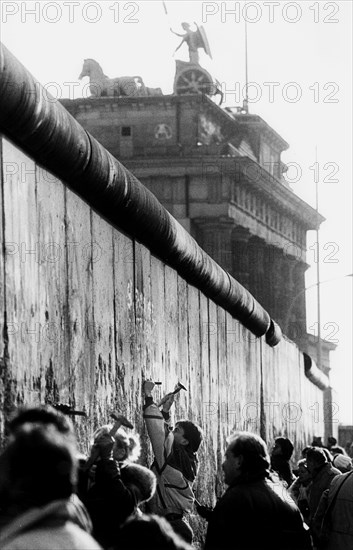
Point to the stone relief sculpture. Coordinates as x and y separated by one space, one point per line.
101 85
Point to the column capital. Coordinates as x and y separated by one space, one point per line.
220 223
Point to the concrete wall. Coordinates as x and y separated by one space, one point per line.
87 313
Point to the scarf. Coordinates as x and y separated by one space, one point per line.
184 460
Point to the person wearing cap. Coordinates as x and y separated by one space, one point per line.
175 461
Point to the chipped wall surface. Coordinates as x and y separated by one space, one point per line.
88 313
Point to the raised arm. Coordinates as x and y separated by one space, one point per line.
108 474
177 34
157 424
119 420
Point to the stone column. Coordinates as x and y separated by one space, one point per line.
240 255
270 281
286 287
214 235
257 279
297 320
273 281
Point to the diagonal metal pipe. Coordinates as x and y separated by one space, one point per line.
39 125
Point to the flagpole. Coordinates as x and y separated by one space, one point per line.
246 100
165 8
166 13
319 354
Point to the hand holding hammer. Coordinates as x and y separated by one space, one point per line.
105 440
177 389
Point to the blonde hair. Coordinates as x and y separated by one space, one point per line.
103 430
130 443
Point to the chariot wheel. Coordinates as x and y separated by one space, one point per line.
194 81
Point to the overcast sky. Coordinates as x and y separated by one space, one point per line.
300 70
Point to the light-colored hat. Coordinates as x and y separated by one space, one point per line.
342 463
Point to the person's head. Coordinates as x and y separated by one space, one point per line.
305 450
41 465
317 441
188 434
315 459
40 415
149 531
331 441
126 446
343 463
337 450
246 454
185 26
140 480
303 472
284 447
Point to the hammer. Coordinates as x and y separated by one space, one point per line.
177 389
122 421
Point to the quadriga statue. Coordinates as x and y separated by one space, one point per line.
102 85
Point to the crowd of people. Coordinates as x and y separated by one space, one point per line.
51 497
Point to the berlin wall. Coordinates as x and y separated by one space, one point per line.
88 313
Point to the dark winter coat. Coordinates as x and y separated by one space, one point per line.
321 481
60 524
333 521
283 469
109 502
255 513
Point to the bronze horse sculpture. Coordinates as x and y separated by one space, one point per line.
101 85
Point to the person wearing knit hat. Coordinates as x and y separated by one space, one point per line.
343 463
